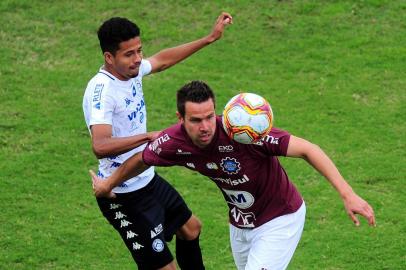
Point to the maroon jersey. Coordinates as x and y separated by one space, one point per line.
253 182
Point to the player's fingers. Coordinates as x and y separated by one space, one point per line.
354 218
111 195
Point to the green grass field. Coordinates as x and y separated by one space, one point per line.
334 72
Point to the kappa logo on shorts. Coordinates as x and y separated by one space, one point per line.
137 246
230 165
158 245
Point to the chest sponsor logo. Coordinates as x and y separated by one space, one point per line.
160 140
181 152
133 115
232 182
243 219
230 165
241 199
212 166
128 102
226 148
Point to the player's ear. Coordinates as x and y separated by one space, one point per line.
108 58
180 118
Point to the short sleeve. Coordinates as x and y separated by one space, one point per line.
275 143
145 67
102 106
156 154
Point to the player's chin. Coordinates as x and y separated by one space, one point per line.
133 73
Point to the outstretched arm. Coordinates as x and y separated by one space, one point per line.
169 57
130 168
316 157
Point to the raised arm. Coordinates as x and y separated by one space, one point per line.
130 168
169 57
316 157
104 145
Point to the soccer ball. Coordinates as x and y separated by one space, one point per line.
247 118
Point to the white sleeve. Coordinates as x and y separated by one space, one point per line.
102 105
145 67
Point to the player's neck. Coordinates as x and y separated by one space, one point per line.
113 72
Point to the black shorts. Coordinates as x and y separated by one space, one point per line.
146 219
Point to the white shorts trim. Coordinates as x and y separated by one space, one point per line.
269 246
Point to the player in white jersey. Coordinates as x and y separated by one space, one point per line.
146 211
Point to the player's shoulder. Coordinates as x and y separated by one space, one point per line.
101 82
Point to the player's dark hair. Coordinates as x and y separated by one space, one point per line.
114 31
195 91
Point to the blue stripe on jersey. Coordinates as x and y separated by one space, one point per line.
107 75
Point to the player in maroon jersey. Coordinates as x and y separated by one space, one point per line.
266 212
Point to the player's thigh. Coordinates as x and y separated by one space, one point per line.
177 213
240 246
274 243
139 221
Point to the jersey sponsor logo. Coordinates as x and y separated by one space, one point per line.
97 92
181 152
243 219
158 245
128 102
230 165
191 165
138 108
158 141
232 182
157 230
212 166
226 148
270 139
241 199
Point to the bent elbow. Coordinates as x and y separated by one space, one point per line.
99 152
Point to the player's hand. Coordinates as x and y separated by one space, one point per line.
221 22
100 187
152 135
356 205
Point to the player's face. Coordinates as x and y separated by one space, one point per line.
200 122
126 62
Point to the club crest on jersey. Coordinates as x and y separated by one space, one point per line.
230 165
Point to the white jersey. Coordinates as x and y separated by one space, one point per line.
107 100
